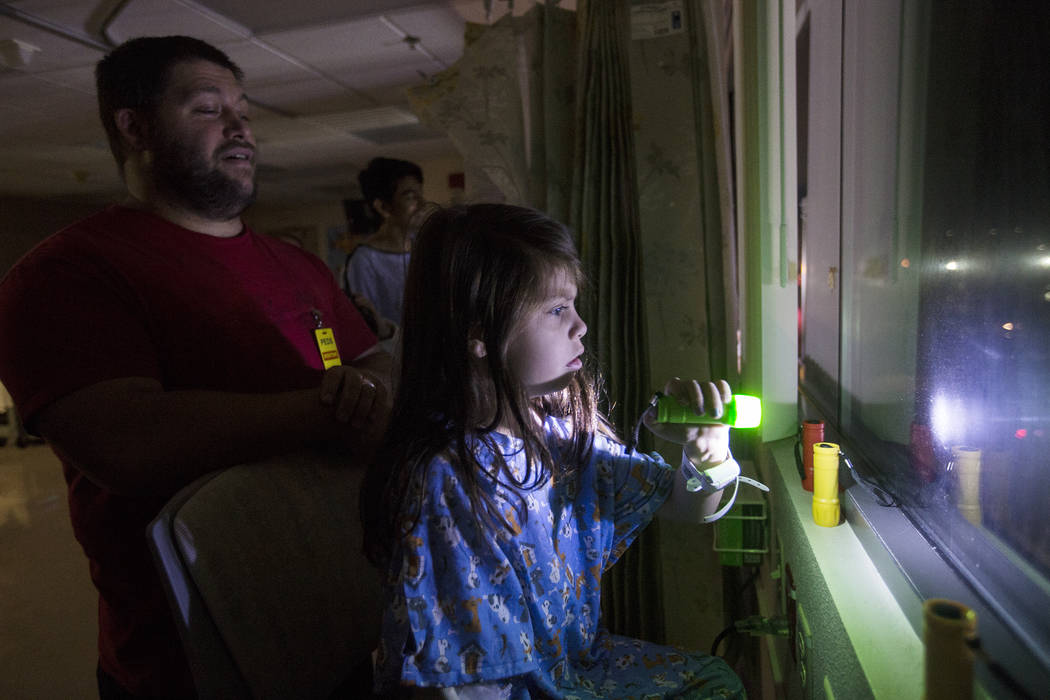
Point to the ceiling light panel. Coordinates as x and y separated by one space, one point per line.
167 17
264 16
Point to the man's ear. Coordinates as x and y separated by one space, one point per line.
381 208
476 348
132 128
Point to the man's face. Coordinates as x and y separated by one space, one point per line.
203 150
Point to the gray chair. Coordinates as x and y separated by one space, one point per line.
267 579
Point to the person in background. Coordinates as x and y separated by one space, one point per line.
500 495
376 268
161 339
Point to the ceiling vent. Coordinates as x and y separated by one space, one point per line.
366 120
397 134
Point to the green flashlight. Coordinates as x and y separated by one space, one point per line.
742 411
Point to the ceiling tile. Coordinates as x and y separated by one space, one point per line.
55 51
269 15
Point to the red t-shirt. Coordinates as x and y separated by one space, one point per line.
126 294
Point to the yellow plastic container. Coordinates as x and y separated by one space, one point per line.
948 672
968 473
826 511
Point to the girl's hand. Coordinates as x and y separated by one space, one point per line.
705 444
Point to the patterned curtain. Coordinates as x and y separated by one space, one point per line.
508 106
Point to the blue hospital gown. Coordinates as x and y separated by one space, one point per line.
468 605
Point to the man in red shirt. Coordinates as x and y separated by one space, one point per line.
161 339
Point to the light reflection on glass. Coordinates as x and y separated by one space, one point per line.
948 416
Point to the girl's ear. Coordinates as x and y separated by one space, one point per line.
476 348
475 345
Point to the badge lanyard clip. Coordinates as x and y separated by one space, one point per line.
325 342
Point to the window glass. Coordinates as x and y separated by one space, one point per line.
940 376
819 57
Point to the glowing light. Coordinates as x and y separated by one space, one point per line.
1008 326
1044 261
948 419
1021 434
951 265
905 263
1046 296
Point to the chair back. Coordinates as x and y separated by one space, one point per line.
269 586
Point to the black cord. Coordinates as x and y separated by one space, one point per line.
748 581
799 465
722 635
883 496
755 625
638 425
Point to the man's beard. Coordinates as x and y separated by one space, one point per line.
194 183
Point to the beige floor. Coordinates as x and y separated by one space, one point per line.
47 603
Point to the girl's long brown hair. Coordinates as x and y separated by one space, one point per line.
475 272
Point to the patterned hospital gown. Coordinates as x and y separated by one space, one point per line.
467 605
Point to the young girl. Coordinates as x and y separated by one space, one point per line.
501 496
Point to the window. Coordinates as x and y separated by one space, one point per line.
924 191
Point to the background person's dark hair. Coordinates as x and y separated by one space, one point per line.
361 218
135 74
379 180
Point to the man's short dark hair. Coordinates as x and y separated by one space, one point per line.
379 180
135 74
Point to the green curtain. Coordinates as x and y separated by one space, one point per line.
605 218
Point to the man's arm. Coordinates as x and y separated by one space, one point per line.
131 436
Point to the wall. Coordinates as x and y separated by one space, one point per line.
26 222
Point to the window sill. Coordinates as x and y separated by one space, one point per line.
864 615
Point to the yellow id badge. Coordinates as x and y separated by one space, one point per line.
326 345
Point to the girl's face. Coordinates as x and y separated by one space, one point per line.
544 350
